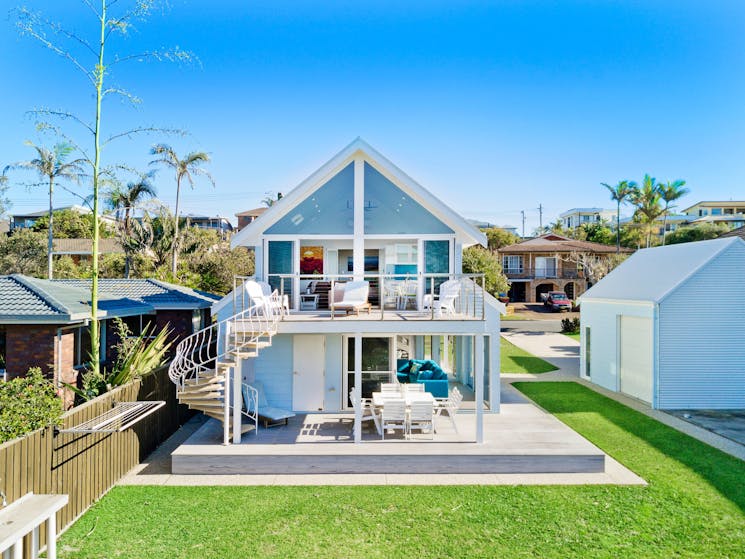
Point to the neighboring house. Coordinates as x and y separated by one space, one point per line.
714 208
577 217
673 222
82 249
666 326
28 220
359 217
549 263
220 224
44 323
488 225
244 218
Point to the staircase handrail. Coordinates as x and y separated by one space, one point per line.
196 352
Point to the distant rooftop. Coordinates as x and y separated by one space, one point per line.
251 213
551 242
585 211
716 204
739 232
85 246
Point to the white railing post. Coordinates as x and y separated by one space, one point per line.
226 388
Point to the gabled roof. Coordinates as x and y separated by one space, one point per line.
250 234
551 242
251 213
30 300
652 274
85 246
739 232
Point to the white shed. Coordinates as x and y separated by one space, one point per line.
668 326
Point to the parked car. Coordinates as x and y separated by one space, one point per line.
558 301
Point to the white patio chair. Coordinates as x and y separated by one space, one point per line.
421 416
450 406
355 298
390 387
284 300
413 387
407 292
393 415
266 303
444 303
368 412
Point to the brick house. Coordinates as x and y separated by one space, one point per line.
548 263
44 323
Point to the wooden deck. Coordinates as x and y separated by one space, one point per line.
520 439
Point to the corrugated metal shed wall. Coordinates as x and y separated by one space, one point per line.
602 319
702 337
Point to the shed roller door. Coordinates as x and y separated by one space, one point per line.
636 357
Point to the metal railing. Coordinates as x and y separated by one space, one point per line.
417 295
543 273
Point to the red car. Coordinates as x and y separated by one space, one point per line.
558 301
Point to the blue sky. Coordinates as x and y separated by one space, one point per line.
495 107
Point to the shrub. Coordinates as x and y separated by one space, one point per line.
26 404
570 325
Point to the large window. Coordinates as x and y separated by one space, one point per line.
280 262
512 264
376 365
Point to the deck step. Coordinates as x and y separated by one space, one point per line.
241 354
186 397
202 388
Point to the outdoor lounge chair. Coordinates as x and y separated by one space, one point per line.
444 303
268 415
355 298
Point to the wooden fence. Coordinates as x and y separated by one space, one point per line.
85 466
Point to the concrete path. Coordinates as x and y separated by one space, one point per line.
558 349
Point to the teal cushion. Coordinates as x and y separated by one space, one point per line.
426 375
403 365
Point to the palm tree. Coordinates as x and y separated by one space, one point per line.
51 166
127 199
647 201
620 193
186 168
669 192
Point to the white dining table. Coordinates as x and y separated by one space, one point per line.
379 398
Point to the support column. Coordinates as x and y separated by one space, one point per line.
495 367
436 356
237 400
358 244
358 388
478 381
445 356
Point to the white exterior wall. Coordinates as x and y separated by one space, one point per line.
702 338
602 318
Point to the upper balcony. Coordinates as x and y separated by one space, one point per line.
550 272
390 297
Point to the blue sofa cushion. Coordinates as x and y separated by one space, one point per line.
403 365
426 375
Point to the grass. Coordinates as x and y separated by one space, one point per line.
574 335
693 507
516 360
515 316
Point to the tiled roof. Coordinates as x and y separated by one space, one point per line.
85 246
556 243
254 212
32 300
152 292
739 232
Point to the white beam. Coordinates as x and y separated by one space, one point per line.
495 366
436 356
358 387
478 380
445 357
237 403
358 244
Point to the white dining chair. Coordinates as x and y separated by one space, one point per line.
390 387
450 406
393 415
413 387
421 416
368 411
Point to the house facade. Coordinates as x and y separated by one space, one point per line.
28 220
361 218
577 217
666 327
45 323
550 262
244 218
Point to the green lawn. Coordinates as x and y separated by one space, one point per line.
692 508
575 336
516 360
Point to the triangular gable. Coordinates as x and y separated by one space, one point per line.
251 234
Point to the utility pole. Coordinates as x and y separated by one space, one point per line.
540 217
522 213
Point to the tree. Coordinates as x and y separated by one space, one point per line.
4 202
127 199
92 59
71 224
52 166
692 233
269 200
620 193
498 238
478 260
28 403
596 232
647 199
186 168
595 267
23 252
670 192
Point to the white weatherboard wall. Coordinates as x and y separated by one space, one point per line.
603 319
702 337
273 367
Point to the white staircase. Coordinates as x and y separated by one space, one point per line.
206 368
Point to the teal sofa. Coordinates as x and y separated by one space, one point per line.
425 372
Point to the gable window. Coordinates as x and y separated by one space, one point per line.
512 264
